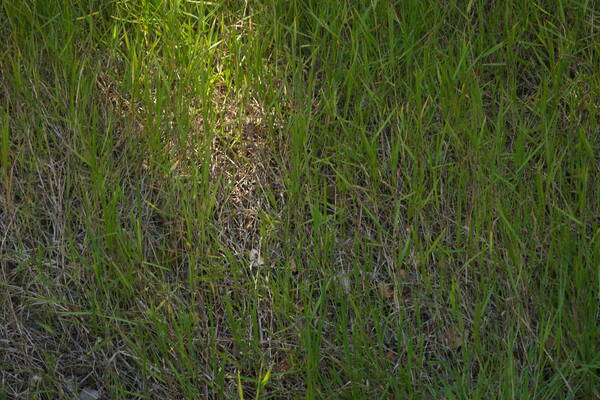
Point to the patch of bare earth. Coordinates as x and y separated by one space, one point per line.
244 166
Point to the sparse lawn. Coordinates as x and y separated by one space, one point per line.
378 199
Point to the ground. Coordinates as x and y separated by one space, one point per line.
299 199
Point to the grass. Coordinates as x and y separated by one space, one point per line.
300 199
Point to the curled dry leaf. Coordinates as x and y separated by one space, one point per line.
403 274
345 281
255 258
453 337
89 394
385 290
